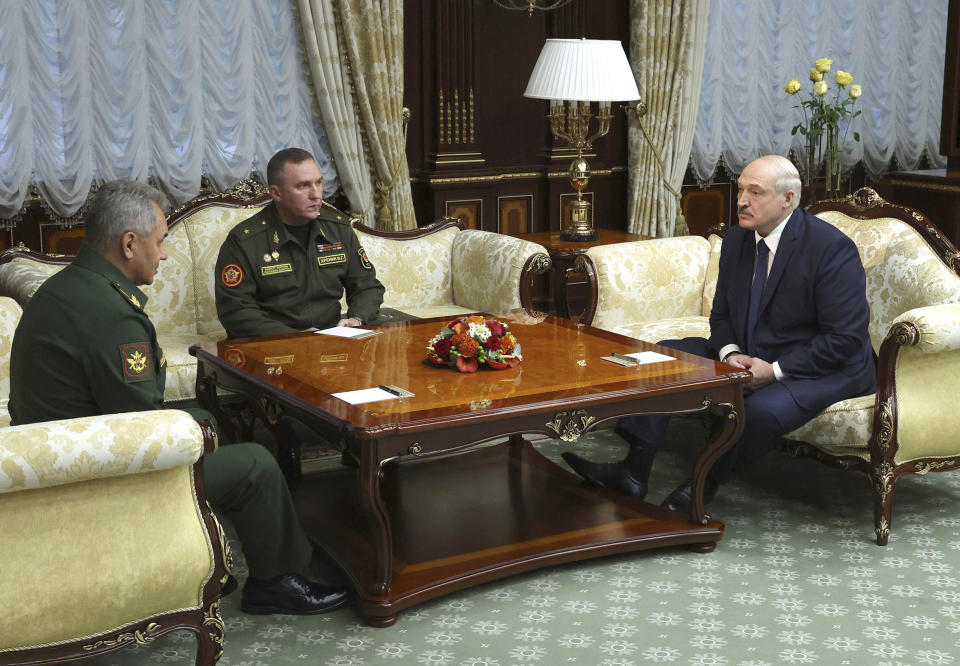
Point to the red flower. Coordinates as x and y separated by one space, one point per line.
496 327
467 364
442 348
493 343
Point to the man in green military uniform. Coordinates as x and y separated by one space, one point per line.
286 268
85 346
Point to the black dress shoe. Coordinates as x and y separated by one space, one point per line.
290 595
607 475
681 499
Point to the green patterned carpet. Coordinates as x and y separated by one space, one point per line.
797 579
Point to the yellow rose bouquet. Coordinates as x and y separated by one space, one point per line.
824 115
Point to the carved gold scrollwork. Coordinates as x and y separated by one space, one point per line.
929 466
415 449
883 475
904 334
247 188
541 263
570 425
883 530
140 637
865 198
885 434
215 627
225 545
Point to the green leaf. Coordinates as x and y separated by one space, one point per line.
856 136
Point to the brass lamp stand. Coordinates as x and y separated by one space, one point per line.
572 74
573 126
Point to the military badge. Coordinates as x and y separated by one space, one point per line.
276 237
135 362
231 275
363 259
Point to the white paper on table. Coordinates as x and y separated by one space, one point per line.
650 357
364 395
347 332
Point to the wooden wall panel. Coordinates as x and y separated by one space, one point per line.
514 214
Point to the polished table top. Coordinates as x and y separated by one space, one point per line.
562 367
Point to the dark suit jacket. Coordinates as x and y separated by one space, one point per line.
813 314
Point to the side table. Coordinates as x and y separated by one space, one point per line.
563 253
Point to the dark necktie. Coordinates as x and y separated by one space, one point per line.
756 292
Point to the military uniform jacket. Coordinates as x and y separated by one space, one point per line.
84 346
267 283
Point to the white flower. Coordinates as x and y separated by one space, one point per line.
704 608
315 637
665 619
793 620
660 655
393 650
742 569
625 581
622 612
705 578
261 650
896 562
536 616
795 637
875 616
544 585
863 585
869 600
785 589
789 604
500 594
816 553
921 622
707 624
798 656
450 621
912 591
538 601
830 610
479 332
934 657
709 659
442 638
887 650
531 634
579 606
481 661
741 544
435 657
662 586
881 633
748 598
842 644
575 641
749 631
489 628
528 653
586 576
619 630
946 596
354 643
625 596
618 647
708 642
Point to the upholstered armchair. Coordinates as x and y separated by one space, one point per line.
106 537
443 269
663 289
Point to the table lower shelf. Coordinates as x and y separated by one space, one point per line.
462 520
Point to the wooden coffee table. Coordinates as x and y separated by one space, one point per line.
423 505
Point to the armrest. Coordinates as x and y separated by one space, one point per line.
918 366
22 273
53 453
493 272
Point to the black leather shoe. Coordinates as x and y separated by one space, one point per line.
681 499
607 475
290 595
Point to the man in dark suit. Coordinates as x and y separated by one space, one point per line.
790 307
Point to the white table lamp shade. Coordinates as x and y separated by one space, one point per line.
587 70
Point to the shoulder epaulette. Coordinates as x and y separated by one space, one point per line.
334 214
249 229
130 298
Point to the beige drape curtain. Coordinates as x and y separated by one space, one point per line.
355 53
667 45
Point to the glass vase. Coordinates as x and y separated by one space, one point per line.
833 168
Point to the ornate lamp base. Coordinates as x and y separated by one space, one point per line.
579 234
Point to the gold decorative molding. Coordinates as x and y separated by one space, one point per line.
883 530
215 627
885 432
883 480
904 334
925 466
866 198
541 263
140 637
921 185
570 425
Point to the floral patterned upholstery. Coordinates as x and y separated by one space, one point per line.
9 318
21 277
450 271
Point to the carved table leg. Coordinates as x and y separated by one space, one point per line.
371 503
728 431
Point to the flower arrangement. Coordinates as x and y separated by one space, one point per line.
823 117
468 342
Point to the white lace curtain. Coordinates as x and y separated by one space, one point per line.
170 89
895 50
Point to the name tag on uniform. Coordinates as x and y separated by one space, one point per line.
276 269
339 258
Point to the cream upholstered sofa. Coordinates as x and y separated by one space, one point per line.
107 538
437 270
663 289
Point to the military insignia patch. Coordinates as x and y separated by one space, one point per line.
327 259
363 259
231 275
135 361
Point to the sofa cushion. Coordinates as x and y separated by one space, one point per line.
415 272
21 277
673 328
487 269
9 318
842 429
649 280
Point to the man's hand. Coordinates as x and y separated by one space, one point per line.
738 360
761 370
351 322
